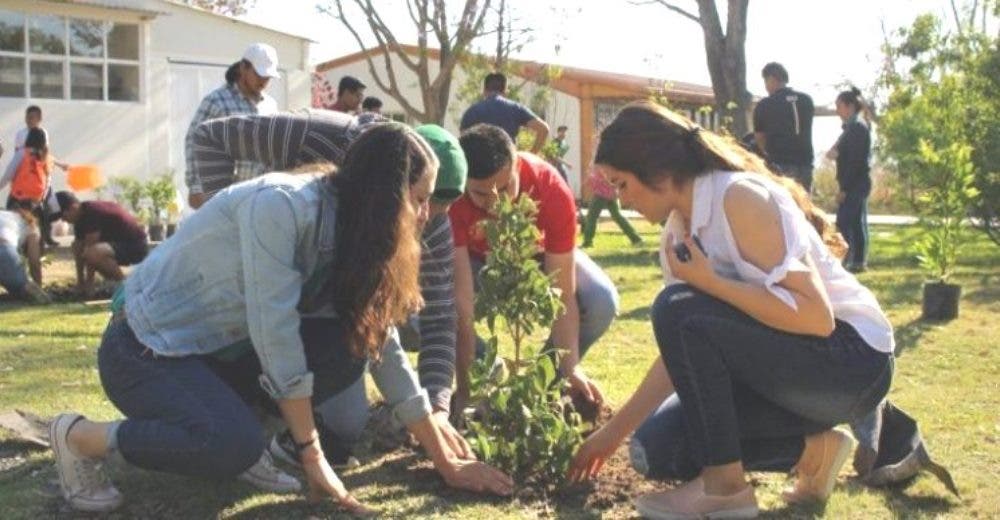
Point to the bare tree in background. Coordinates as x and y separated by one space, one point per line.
725 53
226 7
430 17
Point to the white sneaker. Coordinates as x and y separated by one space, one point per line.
83 482
264 475
36 294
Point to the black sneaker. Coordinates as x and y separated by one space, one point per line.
334 448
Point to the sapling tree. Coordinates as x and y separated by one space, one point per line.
523 425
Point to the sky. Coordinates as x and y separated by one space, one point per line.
823 43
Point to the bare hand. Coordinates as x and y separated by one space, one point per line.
592 455
452 438
697 271
323 482
583 386
477 476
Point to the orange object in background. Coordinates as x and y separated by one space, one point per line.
83 177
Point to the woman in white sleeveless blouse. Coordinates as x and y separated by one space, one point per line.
766 342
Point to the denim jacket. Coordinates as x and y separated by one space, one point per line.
248 264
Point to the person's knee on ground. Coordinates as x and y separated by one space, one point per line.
659 450
217 449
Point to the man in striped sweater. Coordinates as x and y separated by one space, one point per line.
294 141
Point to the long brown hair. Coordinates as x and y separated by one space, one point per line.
655 143
374 279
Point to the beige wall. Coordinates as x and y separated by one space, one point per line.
134 138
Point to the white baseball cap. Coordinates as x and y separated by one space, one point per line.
264 59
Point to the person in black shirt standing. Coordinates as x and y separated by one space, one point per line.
782 125
852 152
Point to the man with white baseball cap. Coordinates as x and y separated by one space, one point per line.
243 93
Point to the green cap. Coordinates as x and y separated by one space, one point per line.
451 175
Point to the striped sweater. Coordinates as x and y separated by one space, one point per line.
286 141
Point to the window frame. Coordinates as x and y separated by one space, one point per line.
67 59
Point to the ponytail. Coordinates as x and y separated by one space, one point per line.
854 98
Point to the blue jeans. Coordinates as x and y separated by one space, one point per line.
596 297
12 274
191 415
852 221
747 392
802 173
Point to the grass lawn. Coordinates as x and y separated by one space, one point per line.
948 375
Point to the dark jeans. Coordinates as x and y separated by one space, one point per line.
803 173
746 391
190 415
852 221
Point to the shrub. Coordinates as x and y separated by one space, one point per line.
523 424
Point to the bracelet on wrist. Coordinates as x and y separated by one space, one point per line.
302 446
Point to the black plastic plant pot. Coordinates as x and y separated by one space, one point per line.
171 229
941 301
156 232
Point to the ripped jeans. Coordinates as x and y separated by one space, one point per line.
748 392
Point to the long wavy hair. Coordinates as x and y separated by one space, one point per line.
374 280
655 143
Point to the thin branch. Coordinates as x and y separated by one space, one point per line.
389 85
958 19
385 35
685 13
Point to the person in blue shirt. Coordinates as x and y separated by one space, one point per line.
495 109
311 272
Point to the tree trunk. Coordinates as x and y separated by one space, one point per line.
726 57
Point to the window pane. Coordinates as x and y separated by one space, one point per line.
86 81
86 38
46 79
47 35
123 42
11 77
123 83
12 32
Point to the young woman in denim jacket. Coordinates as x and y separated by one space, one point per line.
766 341
248 269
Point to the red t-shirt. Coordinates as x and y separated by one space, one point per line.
556 210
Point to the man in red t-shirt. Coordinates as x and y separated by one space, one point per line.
589 296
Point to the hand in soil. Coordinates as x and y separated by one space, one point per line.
454 440
477 476
592 455
324 483
582 386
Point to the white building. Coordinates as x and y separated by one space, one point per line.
584 100
118 80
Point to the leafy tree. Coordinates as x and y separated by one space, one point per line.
940 89
524 425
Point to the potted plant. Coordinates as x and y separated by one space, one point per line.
161 193
522 423
948 192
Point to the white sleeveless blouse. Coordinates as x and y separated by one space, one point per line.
851 301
